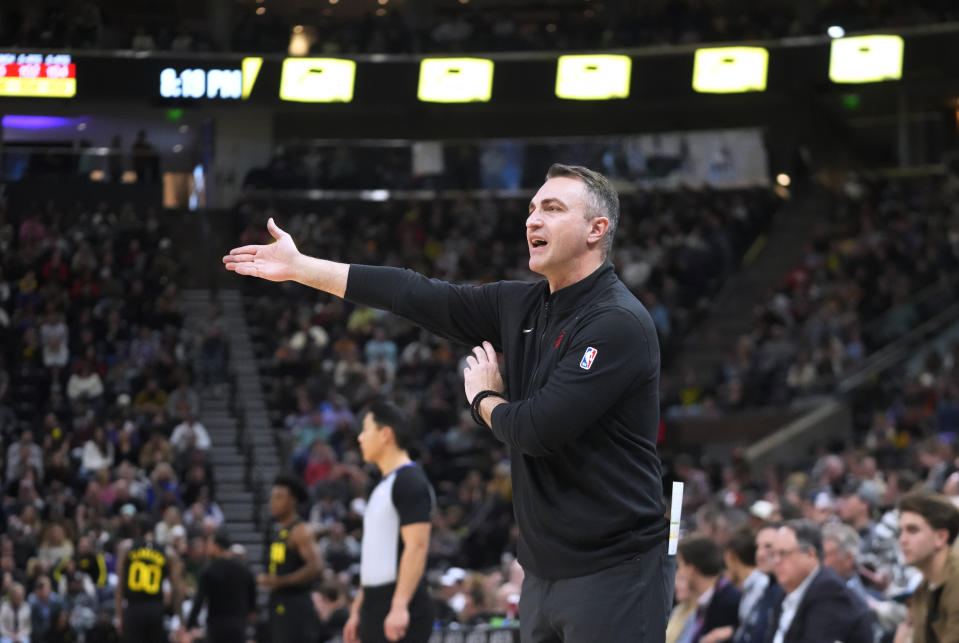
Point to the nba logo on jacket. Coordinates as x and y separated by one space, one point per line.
588 358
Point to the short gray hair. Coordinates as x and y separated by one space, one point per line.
808 536
846 538
601 197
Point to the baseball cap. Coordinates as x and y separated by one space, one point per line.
452 576
762 509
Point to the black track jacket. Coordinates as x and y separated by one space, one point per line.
582 377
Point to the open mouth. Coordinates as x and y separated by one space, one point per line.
537 243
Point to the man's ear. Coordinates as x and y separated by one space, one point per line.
942 538
598 226
391 434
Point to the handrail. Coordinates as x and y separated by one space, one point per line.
894 352
933 291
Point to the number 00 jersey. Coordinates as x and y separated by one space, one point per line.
146 567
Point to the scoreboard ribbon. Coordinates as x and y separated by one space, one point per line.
38 79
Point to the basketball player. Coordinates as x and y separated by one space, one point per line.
294 565
140 595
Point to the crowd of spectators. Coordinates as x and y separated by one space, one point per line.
885 263
100 382
848 494
501 164
99 396
844 508
423 27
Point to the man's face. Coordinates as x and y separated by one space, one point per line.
852 509
764 550
833 557
557 228
918 540
371 439
281 501
792 563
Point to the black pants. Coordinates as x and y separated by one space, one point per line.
143 623
376 605
293 618
226 630
627 603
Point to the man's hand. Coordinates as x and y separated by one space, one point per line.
268 581
482 372
274 261
349 630
396 623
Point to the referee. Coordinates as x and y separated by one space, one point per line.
230 590
393 603
578 407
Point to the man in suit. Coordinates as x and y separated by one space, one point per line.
701 563
817 607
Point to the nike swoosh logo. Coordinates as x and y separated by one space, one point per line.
527 330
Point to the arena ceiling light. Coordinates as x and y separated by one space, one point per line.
317 80
251 69
600 77
455 80
730 70
866 59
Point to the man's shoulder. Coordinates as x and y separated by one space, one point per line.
410 479
621 311
825 583
828 591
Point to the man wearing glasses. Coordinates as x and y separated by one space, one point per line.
817 607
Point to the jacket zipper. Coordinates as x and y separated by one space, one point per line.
539 349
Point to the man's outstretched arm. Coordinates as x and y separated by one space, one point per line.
281 261
466 314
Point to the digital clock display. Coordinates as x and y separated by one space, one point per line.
201 83
37 75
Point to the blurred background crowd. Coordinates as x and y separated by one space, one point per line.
127 376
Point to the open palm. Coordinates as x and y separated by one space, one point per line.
273 261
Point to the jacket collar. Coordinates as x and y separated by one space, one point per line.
573 295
